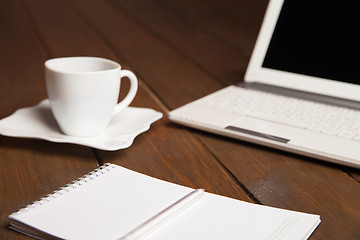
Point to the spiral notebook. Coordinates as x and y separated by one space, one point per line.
113 202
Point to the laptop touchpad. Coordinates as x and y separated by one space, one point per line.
263 129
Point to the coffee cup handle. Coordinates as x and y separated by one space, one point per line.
132 91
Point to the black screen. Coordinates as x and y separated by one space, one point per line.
319 38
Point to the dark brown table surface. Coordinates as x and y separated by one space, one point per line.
180 50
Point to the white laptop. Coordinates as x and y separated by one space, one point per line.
302 86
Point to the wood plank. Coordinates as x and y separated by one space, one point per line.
245 15
29 169
21 78
214 56
355 173
70 39
175 155
294 182
162 152
167 70
235 22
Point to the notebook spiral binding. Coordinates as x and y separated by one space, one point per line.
68 187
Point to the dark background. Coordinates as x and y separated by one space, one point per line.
317 38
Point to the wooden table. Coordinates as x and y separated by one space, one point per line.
180 50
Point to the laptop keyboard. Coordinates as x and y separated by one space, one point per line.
313 116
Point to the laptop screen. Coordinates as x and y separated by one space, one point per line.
319 38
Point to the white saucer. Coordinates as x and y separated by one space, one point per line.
38 122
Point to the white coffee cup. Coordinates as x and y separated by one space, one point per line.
83 93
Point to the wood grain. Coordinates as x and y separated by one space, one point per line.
294 182
273 177
158 62
235 22
29 169
217 58
180 50
153 152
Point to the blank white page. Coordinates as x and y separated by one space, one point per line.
118 200
106 207
216 217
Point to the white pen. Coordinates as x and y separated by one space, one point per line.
162 217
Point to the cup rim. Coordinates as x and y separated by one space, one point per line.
49 61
